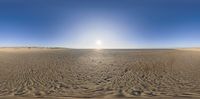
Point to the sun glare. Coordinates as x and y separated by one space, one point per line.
99 44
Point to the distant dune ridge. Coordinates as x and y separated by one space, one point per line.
29 73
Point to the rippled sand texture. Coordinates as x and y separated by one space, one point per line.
74 73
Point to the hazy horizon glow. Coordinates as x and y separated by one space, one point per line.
115 23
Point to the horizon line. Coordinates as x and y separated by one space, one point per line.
58 47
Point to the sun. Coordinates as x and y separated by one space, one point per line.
98 42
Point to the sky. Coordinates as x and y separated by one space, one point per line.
100 23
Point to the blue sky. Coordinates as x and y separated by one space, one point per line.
117 23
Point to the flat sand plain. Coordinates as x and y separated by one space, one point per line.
44 73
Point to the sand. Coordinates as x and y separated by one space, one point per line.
44 73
